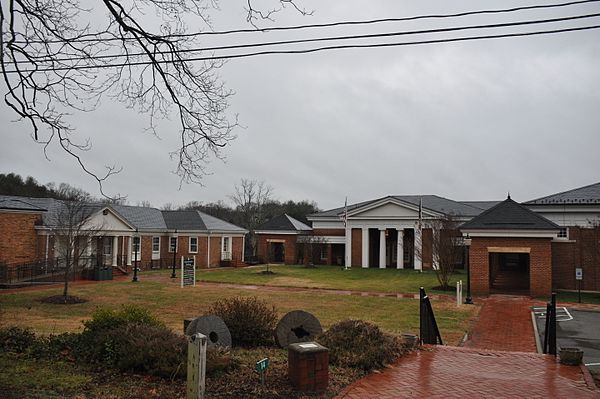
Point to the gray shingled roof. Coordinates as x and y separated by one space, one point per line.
184 220
216 224
587 195
430 202
283 223
141 217
19 204
483 205
509 215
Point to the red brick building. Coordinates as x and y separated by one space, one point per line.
278 239
543 241
123 235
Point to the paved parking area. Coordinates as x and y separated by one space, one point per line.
575 328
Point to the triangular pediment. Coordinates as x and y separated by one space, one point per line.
107 220
388 209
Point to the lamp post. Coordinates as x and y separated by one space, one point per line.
468 299
135 263
174 254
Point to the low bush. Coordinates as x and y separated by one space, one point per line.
359 344
107 319
220 360
250 320
16 339
153 350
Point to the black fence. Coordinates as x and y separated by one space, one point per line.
52 270
550 331
429 332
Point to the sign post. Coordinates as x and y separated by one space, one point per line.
188 271
196 367
579 277
261 368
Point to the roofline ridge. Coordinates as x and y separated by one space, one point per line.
559 193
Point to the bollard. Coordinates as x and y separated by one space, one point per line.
196 367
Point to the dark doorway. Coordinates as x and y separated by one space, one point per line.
509 273
374 248
337 254
277 252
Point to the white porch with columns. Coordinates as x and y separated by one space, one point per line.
400 249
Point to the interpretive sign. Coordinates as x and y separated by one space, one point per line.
188 271
578 273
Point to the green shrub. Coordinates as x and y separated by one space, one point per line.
106 319
359 344
62 346
103 334
153 350
16 339
250 320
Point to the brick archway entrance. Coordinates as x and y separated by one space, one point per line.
509 273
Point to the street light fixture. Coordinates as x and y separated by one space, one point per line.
468 299
174 254
135 263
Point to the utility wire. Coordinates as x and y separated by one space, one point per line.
313 50
313 40
97 38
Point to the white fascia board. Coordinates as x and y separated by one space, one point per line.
324 218
25 211
511 233
334 239
566 208
235 233
283 232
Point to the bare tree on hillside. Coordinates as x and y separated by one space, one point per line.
72 230
61 58
250 198
446 248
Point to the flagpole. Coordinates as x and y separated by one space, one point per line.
348 256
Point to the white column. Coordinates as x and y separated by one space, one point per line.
115 249
418 249
382 248
348 260
400 250
365 247
129 249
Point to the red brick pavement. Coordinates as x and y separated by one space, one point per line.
504 324
451 372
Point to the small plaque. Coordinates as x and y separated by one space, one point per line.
262 365
305 346
578 273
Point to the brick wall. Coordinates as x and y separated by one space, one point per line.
540 263
356 256
215 251
289 244
329 232
427 257
18 238
573 253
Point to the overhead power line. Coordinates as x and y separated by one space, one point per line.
98 38
322 39
317 49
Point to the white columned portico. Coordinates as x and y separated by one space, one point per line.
115 249
400 249
129 249
348 260
365 247
382 254
418 249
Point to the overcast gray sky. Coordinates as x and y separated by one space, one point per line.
467 121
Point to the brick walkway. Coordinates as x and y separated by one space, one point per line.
504 324
451 372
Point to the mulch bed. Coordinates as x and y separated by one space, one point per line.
63 300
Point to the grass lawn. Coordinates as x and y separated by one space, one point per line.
356 279
162 296
569 296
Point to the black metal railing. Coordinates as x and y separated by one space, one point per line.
429 332
550 329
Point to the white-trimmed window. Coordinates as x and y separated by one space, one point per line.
226 248
155 247
193 245
323 252
563 233
173 244
136 248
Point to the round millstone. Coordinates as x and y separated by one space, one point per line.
297 326
213 327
